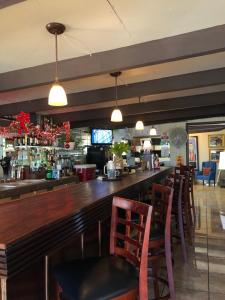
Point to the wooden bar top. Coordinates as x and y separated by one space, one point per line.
36 225
18 188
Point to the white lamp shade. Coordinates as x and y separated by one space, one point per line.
153 131
147 145
222 161
139 125
116 116
57 96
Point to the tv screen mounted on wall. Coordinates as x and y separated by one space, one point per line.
101 136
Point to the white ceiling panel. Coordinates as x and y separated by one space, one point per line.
92 26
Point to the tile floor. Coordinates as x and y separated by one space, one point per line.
203 277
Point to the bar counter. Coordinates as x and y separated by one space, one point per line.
17 188
39 225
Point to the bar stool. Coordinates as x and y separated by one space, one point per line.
178 211
187 215
160 239
191 190
190 172
114 276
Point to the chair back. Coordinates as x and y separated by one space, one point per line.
169 181
133 243
187 171
181 170
209 164
160 201
178 183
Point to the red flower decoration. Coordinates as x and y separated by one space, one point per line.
66 126
23 121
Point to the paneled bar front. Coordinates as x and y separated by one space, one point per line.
35 227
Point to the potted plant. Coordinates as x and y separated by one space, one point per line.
118 149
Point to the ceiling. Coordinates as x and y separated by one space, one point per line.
172 56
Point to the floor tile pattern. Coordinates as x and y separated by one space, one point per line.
203 278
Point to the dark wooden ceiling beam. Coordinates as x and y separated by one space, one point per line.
6 3
156 118
151 87
196 101
196 43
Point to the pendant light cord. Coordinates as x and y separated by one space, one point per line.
56 58
116 92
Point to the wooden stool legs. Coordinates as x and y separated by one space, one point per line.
46 278
193 205
99 238
181 231
3 289
169 268
155 273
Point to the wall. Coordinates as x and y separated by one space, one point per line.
203 149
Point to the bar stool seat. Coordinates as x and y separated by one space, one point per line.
115 276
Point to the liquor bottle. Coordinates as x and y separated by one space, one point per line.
48 174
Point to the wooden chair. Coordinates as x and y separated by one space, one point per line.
115 276
178 211
187 215
191 190
190 172
160 238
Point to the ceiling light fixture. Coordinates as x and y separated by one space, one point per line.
57 95
152 131
139 125
116 114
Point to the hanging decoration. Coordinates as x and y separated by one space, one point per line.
22 122
22 126
66 126
50 131
4 131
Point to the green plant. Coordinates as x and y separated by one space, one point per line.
119 148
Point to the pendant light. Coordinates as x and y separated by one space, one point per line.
139 125
152 131
116 114
57 95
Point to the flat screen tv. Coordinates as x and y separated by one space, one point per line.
101 136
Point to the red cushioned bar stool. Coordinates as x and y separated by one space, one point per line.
123 274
